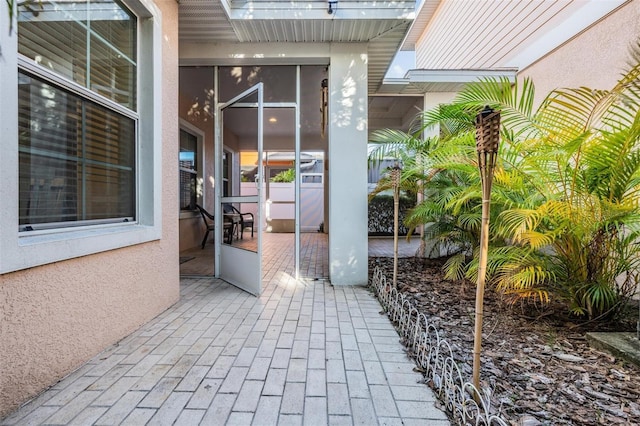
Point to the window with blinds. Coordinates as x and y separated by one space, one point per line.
188 168
77 147
92 43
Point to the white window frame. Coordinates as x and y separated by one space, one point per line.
303 175
21 250
233 164
199 134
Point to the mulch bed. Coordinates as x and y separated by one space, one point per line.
536 359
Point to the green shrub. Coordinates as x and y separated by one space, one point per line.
565 204
381 215
285 176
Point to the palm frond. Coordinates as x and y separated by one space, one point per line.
514 100
455 267
566 114
565 204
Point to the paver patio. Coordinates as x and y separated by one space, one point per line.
304 352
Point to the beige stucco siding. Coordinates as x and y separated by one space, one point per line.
55 317
595 58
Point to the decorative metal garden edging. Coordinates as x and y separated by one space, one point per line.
433 354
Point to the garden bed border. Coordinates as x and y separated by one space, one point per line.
434 356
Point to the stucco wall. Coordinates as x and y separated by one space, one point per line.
55 317
595 58
191 232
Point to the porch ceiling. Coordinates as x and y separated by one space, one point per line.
286 21
396 112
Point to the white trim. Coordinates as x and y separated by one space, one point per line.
150 110
229 54
26 250
419 81
317 10
424 14
8 142
44 73
458 76
298 180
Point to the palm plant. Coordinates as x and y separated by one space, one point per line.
406 148
566 191
585 165
441 185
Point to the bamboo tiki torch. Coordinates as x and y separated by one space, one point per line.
487 141
395 178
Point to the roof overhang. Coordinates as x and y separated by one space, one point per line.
420 81
423 17
232 23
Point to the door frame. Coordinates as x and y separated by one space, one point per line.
248 275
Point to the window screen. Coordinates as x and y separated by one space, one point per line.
77 149
76 158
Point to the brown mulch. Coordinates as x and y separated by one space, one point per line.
536 359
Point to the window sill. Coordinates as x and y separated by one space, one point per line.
39 249
50 235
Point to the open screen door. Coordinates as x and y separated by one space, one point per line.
238 188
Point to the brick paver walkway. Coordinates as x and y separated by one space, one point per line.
383 246
301 353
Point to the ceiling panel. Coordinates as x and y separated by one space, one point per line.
310 31
201 20
398 112
206 21
381 52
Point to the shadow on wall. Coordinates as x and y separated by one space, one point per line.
343 273
348 97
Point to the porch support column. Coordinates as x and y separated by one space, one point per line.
347 133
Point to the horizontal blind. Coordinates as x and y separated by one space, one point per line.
91 43
76 158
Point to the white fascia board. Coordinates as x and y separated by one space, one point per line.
458 76
249 53
353 10
226 6
423 17
587 15
441 80
396 82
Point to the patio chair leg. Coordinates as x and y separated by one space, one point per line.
204 240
